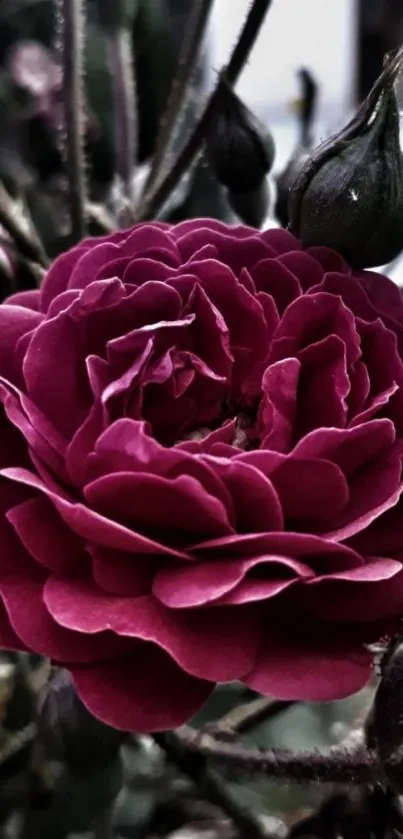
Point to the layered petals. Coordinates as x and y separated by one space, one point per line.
201 469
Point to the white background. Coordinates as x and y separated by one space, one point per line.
320 34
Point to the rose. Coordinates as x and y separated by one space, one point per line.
201 468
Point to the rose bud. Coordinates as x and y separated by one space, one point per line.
306 115
68 731
387 714
285 181
349 194
252 207
241 153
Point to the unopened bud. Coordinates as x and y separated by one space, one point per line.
285 181
252 207
349 194
239 147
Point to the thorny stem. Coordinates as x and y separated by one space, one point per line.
195 766
240 55
36 270
17 742
249 32
244 717
70 13
23 235
99 215
122 72
338 766
194 33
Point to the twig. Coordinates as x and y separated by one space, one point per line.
194 33
246 716
37 271
240 54
23 235
247 38
209 782
123 77
98 214
70 13
17 742
338 765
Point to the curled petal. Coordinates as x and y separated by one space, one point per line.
188 636
37 629
205 582
310 665
143 692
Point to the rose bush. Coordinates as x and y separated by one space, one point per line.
201 448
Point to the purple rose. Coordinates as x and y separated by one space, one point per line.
201 459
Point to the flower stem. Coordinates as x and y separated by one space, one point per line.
70 15
244 717
240 55
21 231
338 765
122 72
194 33
249 32
195 766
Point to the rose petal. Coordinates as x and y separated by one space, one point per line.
310 665
318 552
188 636
144 692
57 278
313 490
120 573
15 321
54 546
349 448
91 525
279 404
263 510
31 621
195 585
152 503
28 299
376 586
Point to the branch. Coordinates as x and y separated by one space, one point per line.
240 55
337 766
194 33
23 234
99 215
247 716
69 20
195 766
122 71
